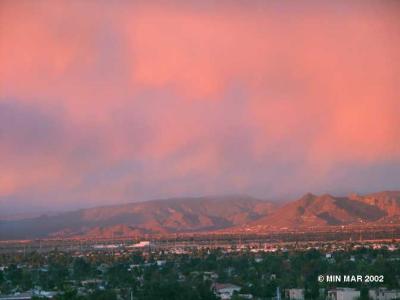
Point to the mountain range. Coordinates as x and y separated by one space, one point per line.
208 214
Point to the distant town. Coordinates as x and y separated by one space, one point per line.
240 268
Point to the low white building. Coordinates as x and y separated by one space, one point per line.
106 247
343 294
142 244
95 282
246 296
161 262
226 290
295 294
17 296
383 294
45 294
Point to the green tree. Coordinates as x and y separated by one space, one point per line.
103 295
81 268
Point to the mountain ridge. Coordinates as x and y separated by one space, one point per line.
210 214
155 216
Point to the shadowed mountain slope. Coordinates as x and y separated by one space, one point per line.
157 216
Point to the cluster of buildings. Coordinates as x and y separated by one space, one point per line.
29 295
345 293
221 288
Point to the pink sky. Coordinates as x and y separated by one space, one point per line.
105 102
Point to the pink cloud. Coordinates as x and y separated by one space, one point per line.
192 98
